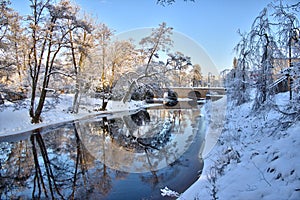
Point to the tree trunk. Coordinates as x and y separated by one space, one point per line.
112 75
127 96
290 65
77 97
37 115
32 100
77 69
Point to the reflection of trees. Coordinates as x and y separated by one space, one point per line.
66 167
180 118
140 118
97 180
38 181
54 165
158 177
15 167
57 165
140 134
150 144
81 159
131 143
105 181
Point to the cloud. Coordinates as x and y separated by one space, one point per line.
103 1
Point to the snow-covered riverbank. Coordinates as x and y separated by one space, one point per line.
15 118
256 156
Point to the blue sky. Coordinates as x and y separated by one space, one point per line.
213 24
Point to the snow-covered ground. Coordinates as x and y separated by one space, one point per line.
15 119
257 156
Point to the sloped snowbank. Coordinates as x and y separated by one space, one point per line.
256 157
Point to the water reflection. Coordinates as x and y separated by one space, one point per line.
133 155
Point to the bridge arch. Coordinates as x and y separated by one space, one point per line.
170 94
194 95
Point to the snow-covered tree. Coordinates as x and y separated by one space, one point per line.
271 47
179 64
81 44
159 41
197 75
123 57
4 28
104 34
288 32
49 30
262 46
239 86
12 51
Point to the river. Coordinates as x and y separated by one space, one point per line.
125 155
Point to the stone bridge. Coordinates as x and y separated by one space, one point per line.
197 92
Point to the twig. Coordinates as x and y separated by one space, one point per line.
263 176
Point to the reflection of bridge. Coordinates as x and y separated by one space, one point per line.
197 92
182 105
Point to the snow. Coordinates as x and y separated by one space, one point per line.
255 157
216 114
16 120
170 193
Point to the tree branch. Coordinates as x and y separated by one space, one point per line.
62 73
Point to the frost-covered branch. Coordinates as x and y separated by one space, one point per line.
135 81
62 73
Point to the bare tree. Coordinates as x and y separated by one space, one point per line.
78 65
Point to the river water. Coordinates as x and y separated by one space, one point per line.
125 155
